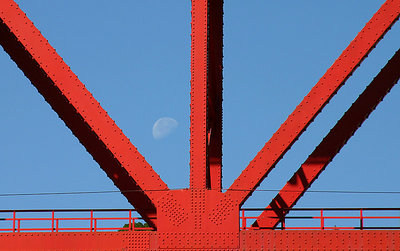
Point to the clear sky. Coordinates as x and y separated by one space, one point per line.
134 56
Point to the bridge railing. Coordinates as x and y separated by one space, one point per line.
70 220
101 220
328 219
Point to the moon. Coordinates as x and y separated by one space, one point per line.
163 127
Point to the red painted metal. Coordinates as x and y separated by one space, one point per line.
214 109
76 106
127 240
69 220
111 220
198 96
206 95
187 217
249 240
331 144
316 99
202 216
328 219
320 240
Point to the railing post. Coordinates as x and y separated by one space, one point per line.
13 221
361 220
244 221
56 225
19 226
322 220
130 220
95 225
52 221
91 220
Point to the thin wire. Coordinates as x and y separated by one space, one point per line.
320 191
163 190
73 193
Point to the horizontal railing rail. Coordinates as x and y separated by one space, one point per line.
326 218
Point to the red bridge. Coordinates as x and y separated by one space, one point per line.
203 216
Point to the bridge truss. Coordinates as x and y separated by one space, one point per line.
202 216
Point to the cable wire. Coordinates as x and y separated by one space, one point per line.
241 190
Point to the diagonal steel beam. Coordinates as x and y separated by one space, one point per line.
313 103
331 144
76 106
206 95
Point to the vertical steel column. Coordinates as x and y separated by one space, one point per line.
198 95
206 95
214 109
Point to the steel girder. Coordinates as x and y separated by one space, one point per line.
206 95
249 240
80 111
331 144
201 216
314 101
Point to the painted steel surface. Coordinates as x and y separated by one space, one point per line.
76 106
320 240
206 95
331 144
249 240
109 220
79 241
214 110
201 216
315 100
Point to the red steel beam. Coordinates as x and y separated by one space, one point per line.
331 145
76 106
214 109
198 95
249 240
313 103
206 95
339 240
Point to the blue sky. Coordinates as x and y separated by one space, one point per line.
134 56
